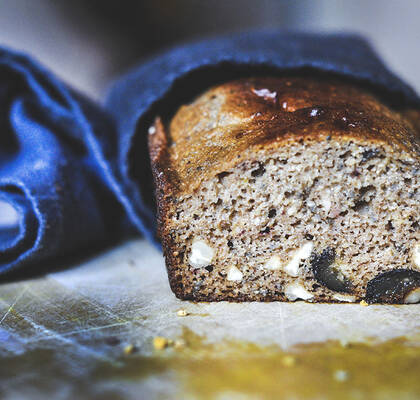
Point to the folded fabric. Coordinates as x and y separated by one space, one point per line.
164 83
53 170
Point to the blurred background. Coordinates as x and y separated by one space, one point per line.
89 42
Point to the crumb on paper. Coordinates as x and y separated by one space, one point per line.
340 375
364 303
288 361
179 344
160 343
130 349
182 313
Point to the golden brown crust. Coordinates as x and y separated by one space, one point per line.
158 146
217 131
212 133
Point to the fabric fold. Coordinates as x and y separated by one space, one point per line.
51 149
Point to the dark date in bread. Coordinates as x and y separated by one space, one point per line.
289 188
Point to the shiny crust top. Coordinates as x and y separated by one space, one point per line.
220 127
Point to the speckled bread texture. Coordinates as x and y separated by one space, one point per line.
289 188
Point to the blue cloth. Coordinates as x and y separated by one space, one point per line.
79 176
53 170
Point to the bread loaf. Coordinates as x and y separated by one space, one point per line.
288 188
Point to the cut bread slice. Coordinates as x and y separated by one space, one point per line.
289 188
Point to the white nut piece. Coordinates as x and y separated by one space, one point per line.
326 202
341 375
416 255
295 291
348 298
293 209
310 203
201 254
412 297
292 268
234 274
273 263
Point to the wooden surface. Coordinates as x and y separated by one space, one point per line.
60 334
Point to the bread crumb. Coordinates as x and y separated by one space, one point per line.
160 343
130 349
179 344
288 361
344 343
341 375
182 313
364 303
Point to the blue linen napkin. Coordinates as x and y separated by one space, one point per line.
53 168
78 176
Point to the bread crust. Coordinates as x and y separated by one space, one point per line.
223 126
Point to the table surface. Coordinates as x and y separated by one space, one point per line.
69 334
